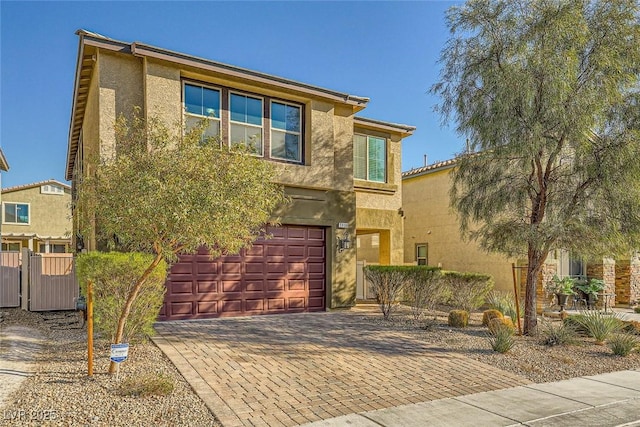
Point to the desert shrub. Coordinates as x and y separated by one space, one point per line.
631 326
423 289
458 318
114 274
573 322
637 309
387 282
500 322
490 314
147 385
557 333
467 291
504 302
622 344
502 338
599 325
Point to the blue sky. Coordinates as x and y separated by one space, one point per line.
387 51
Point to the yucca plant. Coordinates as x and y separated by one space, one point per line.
502 339
622 344
504 303
557 333
599 325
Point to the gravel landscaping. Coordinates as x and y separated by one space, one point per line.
529 358
61 393
61 386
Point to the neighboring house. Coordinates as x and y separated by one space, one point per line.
342 172
432 237
37 216
4 167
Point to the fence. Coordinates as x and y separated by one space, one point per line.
38 282
9 279
52 282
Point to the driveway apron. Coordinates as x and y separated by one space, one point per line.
285 370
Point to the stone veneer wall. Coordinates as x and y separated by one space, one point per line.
623 282
605 270
549 269
634 279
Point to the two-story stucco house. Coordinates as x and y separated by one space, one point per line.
37 216
341 171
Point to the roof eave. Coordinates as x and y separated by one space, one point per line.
404 130
4 165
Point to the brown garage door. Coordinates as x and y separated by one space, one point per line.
284 274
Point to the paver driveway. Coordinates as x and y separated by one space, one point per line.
284 370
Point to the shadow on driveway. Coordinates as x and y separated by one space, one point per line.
291 369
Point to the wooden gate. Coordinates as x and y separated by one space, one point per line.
52 282
9 279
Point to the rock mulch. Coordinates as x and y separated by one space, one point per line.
61 393
529 358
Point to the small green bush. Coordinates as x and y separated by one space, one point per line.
489 315
637 309
557 333
502 339
423 289
599 325
147 385
387 282
458 318
622 344
467 291
114 274
573 322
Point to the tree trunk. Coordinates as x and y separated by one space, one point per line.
127 306
534 266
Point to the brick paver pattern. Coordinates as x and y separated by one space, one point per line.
286 370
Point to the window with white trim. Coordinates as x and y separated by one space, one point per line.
51 189
202 102
245 121
421 254
286 131
15 213
369 158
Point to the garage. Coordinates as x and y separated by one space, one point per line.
283 274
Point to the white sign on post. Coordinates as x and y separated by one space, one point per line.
119 352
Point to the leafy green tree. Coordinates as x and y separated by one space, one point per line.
547 93
167 191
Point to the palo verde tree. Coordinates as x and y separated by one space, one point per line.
547 93
166 191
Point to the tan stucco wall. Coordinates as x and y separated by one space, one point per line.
121 89
49 214
321 190
428 219
390 226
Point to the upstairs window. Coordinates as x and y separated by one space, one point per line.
16 213
245 116
51 189
202 102
369 158
285 132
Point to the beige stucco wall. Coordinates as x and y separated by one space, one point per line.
321 191
49 214
428 219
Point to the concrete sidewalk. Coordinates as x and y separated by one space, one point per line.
611 399
19 347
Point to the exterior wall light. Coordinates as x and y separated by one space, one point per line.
344 242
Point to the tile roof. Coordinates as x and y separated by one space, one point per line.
36 184
429 168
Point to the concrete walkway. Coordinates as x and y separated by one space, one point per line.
611 399
286 370
19 347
